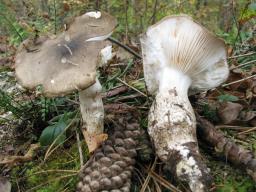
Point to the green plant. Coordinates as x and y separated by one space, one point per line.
21 110
231 185
57 129
16 33
210 112
227 97
57 174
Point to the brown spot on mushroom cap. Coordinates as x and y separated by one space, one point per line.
67 62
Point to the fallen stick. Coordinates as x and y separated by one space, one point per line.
234 153
115 91
12 160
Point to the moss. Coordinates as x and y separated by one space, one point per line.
41 175
229 178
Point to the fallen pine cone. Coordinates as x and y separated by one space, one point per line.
234 153
111 166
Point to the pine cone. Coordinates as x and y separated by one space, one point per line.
111 166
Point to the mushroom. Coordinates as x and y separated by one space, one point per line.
180 56
67 63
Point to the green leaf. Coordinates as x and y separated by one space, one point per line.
51 132
67 117
227 97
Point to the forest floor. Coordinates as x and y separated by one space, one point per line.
24 115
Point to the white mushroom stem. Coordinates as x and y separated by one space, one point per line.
170 110
92 111
91 107
172 127
178 53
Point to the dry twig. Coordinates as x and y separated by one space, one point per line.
11 160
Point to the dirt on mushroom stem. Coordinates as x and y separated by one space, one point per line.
174 61
172 130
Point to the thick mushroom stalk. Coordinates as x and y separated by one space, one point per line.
179 55
92 111
171 125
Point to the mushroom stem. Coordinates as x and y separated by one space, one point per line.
92 111
172 128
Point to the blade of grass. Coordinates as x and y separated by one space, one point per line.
49 152
132 87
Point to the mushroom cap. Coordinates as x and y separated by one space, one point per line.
69 61
182 44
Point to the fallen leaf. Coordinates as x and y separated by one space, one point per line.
118 108
6 61
93 141
228 112
238 75
253 122
247 115
66 7
230 51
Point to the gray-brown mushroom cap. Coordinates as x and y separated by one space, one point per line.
67 62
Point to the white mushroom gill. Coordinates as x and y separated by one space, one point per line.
105 55
180 43
99 38
178 54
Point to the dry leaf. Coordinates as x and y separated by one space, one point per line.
93 141
236 75
253 122
66 7
247 115
228 112
230 51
